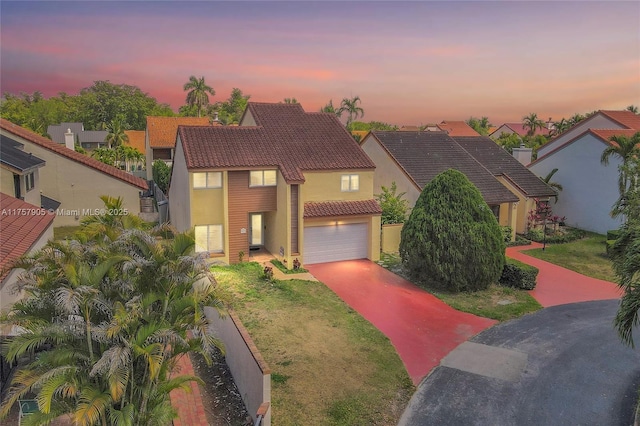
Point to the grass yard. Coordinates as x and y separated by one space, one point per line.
62 232
586 256
496 302
329 365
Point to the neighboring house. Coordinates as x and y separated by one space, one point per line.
293 182
160 138
457 128
136 140
511 173
600 120
24 229
520 130
413 159
19 171
73 179
590 189
70 134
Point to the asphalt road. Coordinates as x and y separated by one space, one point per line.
563 365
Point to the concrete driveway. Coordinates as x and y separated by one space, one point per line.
421 327
563 365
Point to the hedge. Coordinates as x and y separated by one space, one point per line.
613 234
518 275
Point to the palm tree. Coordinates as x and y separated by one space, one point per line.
632 108
533 123
198 90
290 101
104 155
624 148
116 135
108 319
350 106
561 126
575 119
331 109
554 185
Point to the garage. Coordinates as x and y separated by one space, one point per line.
335 242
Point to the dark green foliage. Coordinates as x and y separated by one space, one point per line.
625 258
394 207
571 234
518 275
161 175
452 239
507 231
613 234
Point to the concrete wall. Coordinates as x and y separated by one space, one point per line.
7 295
589 188
180 192
390 240
250 372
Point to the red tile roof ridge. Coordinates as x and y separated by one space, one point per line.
625 118
341 208
18 232
72 155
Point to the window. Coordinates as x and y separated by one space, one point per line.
350 183
209 238
207 180
263 178
29 181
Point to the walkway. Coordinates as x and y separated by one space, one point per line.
557 285
422 328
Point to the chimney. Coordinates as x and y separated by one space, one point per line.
69 140
522 154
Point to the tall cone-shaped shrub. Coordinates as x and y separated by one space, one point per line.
452 239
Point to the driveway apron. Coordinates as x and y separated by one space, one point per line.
422 328
557 285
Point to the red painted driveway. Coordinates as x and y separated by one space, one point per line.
558 286
421 327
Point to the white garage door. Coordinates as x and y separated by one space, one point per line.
335 242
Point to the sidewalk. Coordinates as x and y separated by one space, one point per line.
558 286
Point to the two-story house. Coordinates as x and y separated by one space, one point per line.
292 182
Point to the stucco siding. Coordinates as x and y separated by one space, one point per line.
180 192
589 188
277 223
387 171
78 187
325 186
597 122
6 182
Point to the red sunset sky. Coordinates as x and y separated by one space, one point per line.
410 62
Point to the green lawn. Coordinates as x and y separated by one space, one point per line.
329 365
586 256
496 302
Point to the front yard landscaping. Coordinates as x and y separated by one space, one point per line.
329 365
496 302
586 256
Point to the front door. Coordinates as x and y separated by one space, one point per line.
257 235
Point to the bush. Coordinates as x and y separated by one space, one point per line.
520 241
518 275
535 235
506 233
161 175
609 246
571 234
613 234
452 239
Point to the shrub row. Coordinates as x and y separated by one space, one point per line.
572 234
518 275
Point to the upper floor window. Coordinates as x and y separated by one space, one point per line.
350 183
263 178
207 180
30 181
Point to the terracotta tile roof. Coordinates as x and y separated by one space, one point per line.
625 118
162 130
285 136
341 208
72 155
19 230
423 155
606 134
136 139
500 163
457 128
